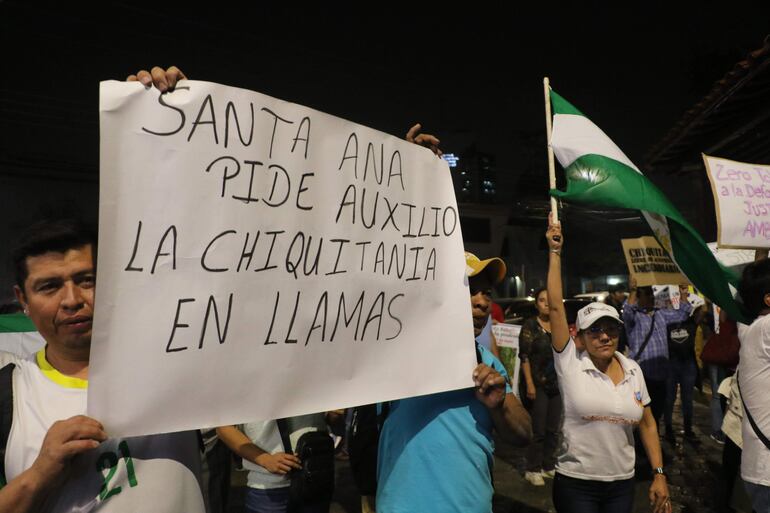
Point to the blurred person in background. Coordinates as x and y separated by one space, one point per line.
542 387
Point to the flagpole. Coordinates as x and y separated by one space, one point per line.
551 165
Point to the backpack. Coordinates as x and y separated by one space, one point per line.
723 348
363 444
314 482
6 414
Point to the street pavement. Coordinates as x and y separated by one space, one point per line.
693 468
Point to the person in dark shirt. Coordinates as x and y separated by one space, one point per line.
682 369
542 391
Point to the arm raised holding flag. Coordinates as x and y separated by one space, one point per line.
604 397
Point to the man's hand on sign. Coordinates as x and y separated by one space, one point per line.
164 80
278 463
490 386
429 141
64 440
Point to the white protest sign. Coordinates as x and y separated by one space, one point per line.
695 300
669 296
742 202
259 259
507 337
674 296
735 259
666 296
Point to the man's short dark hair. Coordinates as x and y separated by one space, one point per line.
57 236
755 283
618 287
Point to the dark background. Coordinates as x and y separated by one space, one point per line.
472 75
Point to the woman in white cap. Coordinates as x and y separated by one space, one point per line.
604 397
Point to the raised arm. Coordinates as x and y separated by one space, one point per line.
427 140
559 326
630 307
629 315
631 291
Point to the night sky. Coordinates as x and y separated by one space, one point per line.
469 75
472 76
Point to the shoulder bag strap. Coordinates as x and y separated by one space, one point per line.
646 339
754 426
6 414
283 429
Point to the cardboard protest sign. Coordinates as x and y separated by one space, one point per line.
742 202
507 337
649 263
259 259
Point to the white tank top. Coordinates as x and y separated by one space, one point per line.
158 473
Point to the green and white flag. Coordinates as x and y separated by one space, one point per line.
598 173
18 335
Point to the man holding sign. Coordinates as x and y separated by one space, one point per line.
436 451
55 459
52 457
301 252
78 468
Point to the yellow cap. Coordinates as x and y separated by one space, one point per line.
494 266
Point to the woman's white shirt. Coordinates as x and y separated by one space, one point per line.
599 416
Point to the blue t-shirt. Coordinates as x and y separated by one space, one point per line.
485 337
436 452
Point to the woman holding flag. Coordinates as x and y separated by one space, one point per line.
604 398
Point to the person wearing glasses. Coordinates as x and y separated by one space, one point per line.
605 397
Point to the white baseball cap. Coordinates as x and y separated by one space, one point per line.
588 315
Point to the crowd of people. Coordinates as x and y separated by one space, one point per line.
594 400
